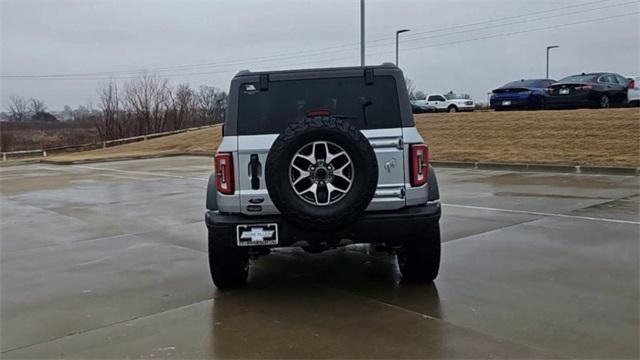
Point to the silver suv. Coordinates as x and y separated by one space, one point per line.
317 159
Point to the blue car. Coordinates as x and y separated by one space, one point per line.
521 94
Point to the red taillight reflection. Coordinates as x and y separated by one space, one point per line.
419 156
631 84
318 112
223 166
584 87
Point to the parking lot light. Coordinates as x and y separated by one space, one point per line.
397 36
549 48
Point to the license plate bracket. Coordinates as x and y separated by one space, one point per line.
564 91
257 234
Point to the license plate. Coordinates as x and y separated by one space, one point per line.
564 91
506 103
257 234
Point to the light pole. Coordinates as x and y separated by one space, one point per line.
397 36
362 33
549 48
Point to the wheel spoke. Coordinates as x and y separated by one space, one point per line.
311 159
331 157
313 189
340 172
303 173
331 188
326 149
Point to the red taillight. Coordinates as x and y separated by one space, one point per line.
631 84
419 156
223 166
584 87
318 112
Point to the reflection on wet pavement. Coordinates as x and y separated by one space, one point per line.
109 261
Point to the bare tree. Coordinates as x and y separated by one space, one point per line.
184 105
411 88
36 106
212 104
108 125
18 108
419 95
148 97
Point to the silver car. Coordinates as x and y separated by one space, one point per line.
317 159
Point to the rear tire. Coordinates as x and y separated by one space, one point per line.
419 259
229 266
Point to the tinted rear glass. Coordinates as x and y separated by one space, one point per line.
372 106
456 96
528 83
579 79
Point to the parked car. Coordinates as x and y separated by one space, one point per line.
521 94
317 159
450 102
420 107
596 90
634 92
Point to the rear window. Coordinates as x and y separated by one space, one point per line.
371 106
579 79
528 84
456 96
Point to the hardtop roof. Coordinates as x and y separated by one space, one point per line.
357 70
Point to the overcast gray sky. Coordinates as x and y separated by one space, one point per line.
109 38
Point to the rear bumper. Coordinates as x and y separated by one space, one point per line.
514 103
570 101
372 227
466 107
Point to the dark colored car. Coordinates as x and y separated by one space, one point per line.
594 90
520 94
420 107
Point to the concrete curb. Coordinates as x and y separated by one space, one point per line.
567 169
140 157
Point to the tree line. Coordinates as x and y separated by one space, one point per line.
143 105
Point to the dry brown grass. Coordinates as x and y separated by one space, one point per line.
197 141
572 137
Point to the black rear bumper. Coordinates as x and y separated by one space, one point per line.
372 227
588 99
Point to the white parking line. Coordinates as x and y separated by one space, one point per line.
544 214
145 173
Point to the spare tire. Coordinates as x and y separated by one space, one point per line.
321 173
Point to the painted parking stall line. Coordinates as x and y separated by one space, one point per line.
526 212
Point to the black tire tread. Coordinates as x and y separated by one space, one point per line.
228 266
422 256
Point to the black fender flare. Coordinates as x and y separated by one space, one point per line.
433 193
212 202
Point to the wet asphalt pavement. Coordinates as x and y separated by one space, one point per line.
109 260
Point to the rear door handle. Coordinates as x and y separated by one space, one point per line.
255 171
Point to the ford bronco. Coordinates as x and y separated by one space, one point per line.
317 159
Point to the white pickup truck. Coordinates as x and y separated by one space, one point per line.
449 102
